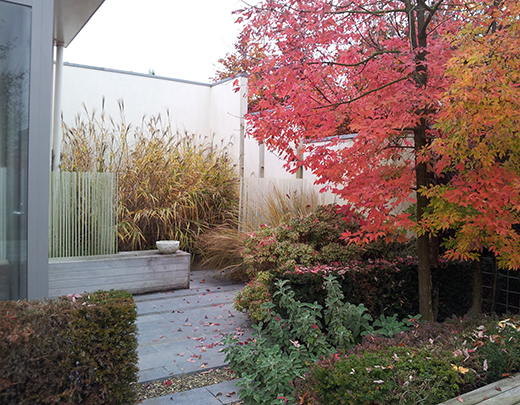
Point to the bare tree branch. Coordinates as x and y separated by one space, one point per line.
373 56
364 94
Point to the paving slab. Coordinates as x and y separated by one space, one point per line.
181 331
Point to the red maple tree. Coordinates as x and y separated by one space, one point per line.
376 68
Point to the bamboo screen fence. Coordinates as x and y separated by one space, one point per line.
83 214
256 195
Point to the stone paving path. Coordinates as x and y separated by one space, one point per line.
180 332
503 392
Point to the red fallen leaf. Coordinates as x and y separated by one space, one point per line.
460 399
204 365
207 289
181 354
167 383
498 388
192 360
506 375
202 281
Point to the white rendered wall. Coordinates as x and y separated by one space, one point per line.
203 109
209 110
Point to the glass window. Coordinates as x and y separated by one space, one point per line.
15 51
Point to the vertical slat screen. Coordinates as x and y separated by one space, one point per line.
254 191
83 214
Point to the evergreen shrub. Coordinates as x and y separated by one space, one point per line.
74 350
429 364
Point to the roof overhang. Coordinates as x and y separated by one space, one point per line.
70 16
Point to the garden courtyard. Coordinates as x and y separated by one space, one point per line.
379 267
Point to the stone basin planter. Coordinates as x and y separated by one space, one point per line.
137 272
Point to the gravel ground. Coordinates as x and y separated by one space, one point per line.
184 383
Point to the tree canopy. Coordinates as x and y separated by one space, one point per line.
379 70
478 154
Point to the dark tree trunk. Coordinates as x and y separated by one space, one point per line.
476 306
419 39
423 241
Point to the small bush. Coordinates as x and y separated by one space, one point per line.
81 350
299 241
396 375
252 297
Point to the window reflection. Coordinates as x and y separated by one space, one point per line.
15 47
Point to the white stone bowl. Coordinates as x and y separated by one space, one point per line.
167 246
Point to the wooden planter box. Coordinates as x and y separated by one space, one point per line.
136 272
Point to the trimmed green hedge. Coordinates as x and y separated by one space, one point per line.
384 286
74 350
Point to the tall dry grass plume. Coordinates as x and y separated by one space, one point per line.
264 202
171 185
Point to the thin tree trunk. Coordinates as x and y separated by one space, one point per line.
476 306
495 284
423 241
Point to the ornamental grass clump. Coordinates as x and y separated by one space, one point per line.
172 185
222 247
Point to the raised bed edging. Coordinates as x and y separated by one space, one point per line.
136 272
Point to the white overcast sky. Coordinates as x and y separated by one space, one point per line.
182 39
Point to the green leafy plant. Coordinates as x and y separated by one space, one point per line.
394 375
389 326
252 297
283 348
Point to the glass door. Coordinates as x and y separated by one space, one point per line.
15 51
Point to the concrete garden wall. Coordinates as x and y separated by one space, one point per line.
136 272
